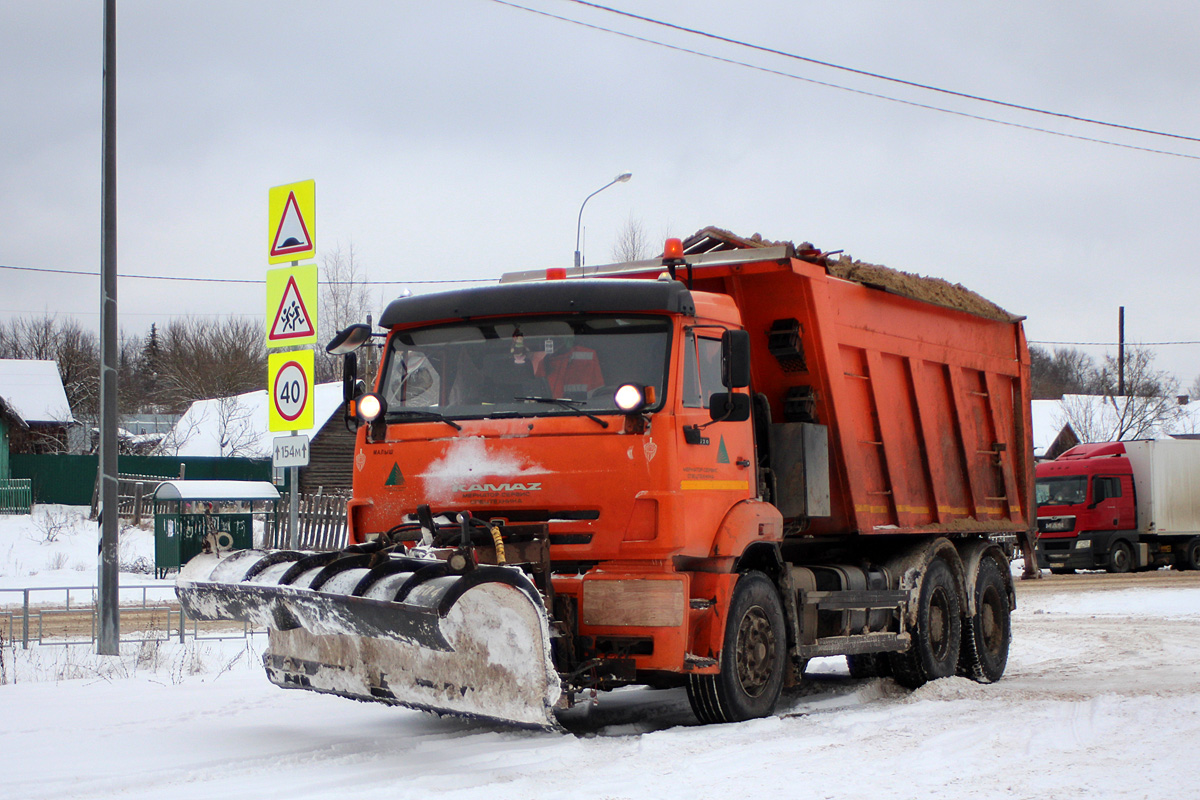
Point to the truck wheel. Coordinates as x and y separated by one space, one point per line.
1120 558
1188 556
753 657
987 634
937 636
869 665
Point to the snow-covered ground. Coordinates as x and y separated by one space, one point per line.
58 546
1101 700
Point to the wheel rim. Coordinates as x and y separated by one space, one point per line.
989 617
1121 558
939 628
755 651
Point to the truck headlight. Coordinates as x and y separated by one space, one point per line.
370 406
630 398
1083 544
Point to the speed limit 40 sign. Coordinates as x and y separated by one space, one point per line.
290 389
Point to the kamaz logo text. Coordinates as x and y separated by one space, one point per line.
498 487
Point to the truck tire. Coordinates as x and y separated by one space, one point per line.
937 636
869 665
1120 558
988 632
753 657
1188 556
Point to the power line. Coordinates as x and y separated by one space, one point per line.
840 87
236 280
1112 344
882 77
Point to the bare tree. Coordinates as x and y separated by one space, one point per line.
632 243
236 433
1149 407
1194 389
201 358
345 299
1065 371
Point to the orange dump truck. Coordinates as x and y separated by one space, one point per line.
700 471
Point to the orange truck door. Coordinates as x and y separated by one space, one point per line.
715 459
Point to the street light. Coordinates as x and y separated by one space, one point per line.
622 178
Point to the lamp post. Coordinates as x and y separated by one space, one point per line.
622 178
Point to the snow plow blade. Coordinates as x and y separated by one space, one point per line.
396 630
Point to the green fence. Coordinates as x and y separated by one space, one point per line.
70 479
16 495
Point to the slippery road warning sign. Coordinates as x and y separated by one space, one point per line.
292 305
289 387
293 222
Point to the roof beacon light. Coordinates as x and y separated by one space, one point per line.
673 257
673 251
556 273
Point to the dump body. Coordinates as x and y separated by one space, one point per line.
927 406
1120 506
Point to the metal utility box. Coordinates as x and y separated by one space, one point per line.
192 514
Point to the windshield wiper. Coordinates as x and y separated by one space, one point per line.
419 414
567 403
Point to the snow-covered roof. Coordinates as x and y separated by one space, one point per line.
34 390
237 426
216 490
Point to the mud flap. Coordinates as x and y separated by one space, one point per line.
402 632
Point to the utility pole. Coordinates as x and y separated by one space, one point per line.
1121 352
108 643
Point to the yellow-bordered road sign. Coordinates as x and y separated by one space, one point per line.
292 230
292 305
290 390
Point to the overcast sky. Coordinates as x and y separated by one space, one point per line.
457 139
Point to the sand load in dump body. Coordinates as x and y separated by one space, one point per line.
394 629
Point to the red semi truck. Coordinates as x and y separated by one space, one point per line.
1120 506
701 470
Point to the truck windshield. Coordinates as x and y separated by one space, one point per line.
495 367
1067 490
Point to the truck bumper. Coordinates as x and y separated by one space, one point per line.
1066 552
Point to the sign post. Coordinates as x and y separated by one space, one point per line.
290 408
291 320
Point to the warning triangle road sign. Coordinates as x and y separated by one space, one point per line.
292 235
292 320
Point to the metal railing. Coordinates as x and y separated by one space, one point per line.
43 621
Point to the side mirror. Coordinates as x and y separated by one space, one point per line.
350 381
735 359
729 407
349 339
